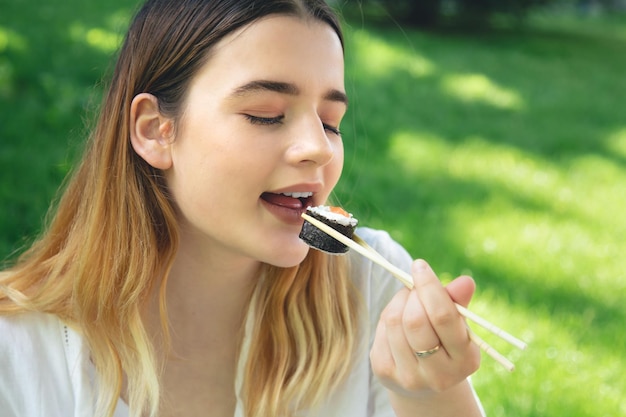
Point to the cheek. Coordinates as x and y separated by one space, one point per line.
336 165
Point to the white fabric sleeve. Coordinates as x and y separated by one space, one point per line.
377 287
34 379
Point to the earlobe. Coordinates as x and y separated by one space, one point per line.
150 131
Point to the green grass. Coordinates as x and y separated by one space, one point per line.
502 155
52 57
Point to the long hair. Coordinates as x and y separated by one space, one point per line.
113 236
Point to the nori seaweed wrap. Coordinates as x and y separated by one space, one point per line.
334 217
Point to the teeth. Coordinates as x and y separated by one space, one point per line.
299 195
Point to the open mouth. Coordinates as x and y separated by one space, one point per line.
294 201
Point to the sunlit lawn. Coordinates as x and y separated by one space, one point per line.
504 156
500 155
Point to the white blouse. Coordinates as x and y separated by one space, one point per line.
45 371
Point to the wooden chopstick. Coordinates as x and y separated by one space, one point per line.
360 246
407 280
486 347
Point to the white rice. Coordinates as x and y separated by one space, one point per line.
336 217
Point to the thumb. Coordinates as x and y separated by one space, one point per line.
461 290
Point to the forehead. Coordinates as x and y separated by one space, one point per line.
281 48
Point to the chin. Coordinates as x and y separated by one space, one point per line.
289 258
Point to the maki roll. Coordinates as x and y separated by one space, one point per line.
335 217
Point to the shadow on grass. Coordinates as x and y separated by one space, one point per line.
565 88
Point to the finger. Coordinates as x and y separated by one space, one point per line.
380 354
461 290
440 309
383 364
401 351
417 327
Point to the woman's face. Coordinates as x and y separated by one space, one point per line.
258 142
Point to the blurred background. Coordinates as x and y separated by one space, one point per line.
488 137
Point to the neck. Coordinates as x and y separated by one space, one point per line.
207 297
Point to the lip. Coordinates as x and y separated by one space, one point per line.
288 215
284 214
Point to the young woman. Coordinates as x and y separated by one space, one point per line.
172 281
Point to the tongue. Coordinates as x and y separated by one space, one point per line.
282 200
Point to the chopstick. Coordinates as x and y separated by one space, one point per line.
360 246
407 280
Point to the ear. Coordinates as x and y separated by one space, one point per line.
150 132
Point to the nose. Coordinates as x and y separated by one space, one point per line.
312 144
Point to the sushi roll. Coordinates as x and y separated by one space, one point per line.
335 217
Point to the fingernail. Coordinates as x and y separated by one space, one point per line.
420 265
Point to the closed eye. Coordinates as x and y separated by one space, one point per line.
268 121
257 120
332 129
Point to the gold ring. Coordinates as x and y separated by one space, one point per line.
426 353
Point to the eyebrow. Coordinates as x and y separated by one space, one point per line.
284 88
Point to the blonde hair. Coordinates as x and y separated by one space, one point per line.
113 238
304 333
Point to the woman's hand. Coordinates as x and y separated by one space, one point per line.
425 320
